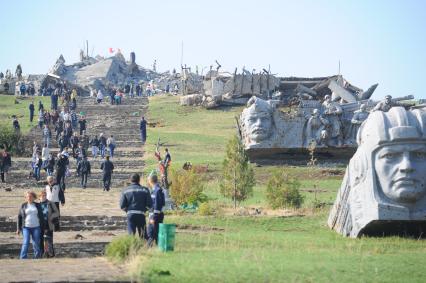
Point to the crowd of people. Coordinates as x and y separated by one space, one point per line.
39 215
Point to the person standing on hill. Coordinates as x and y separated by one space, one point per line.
107 168
142 127
31 108
47 135
135 200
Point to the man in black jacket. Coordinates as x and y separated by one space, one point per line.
31 108
61 167
107 168
135 200
84 169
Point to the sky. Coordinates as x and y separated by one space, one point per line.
375 41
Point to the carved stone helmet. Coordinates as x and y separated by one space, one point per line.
385 178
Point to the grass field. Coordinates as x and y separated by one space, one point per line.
8 108
225 247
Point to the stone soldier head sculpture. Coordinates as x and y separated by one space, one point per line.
384 188
257 120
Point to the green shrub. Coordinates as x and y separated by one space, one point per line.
283 191
123 247
187 187
206 209
9 138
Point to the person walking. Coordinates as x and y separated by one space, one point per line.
5 164
111 145
61 168
55 194
74 144
31 108
40 118
47 135
59 128
107 168
142 127
99 96
82 123
51 218
45 152
38 162
135 200
102 144
158 203
50 165
30 223
84 169
95 146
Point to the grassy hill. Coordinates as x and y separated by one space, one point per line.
274 246
9 107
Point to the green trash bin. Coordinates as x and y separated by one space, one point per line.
166 237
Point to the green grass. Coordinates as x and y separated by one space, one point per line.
272 249
191 133
8 108
261 248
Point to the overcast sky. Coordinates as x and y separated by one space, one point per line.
375 41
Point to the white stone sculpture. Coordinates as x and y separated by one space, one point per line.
384 188
257 122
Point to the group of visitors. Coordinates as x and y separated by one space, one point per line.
136 200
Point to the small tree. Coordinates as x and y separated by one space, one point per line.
238 177
283 191
187 187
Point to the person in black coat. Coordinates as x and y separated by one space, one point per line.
107 168
85 169
31 108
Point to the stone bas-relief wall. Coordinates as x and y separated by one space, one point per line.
384 188
265 128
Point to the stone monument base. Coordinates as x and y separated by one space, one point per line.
404 228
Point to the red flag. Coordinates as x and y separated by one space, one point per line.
111 50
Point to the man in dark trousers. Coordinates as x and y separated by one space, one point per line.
82 122
107 169
31 108
84 169
135 201
142 128
158 203
61 167
102 144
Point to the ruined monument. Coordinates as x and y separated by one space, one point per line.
268 130
384 188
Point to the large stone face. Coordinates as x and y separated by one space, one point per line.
384 188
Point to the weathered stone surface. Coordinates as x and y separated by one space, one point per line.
266 129
384 188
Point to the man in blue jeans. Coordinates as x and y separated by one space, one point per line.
135 200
